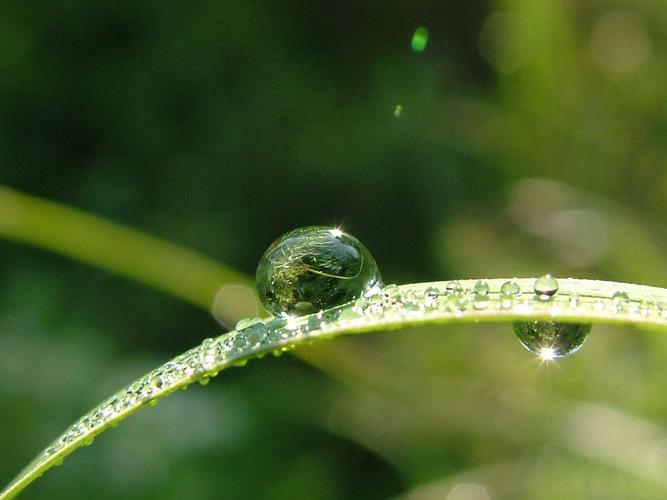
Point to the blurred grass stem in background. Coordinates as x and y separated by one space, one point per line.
116 248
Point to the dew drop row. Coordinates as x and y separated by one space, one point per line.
379 306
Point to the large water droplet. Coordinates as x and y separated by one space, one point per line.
550 339
545 287
314 268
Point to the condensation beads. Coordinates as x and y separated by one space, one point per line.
314 268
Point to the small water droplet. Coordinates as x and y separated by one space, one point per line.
211 353
431 297
508 292
314 268
481 287
551 339
254 334
247 322
398 110
241 342
204 380
573 301
481 295
645 308
454 288
545 287
510 288
620 301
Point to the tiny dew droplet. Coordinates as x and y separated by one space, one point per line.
645 308
551 339
247 322
314 268
620 300
508 292
545 287
481 287
454 288
255 334
573 302
431 297
481 294
398 110
510 288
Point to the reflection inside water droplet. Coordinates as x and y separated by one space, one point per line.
551 339
314 268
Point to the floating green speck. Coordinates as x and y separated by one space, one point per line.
398 110
419 39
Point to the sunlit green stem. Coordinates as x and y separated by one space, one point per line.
97 241
575 301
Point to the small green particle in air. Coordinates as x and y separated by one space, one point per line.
419 39
398 110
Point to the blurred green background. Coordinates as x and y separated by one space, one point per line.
531 139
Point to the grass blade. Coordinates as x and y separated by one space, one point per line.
394 307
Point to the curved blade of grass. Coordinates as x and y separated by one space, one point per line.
116 248
579 301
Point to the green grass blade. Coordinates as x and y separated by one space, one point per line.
580 301
88 238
